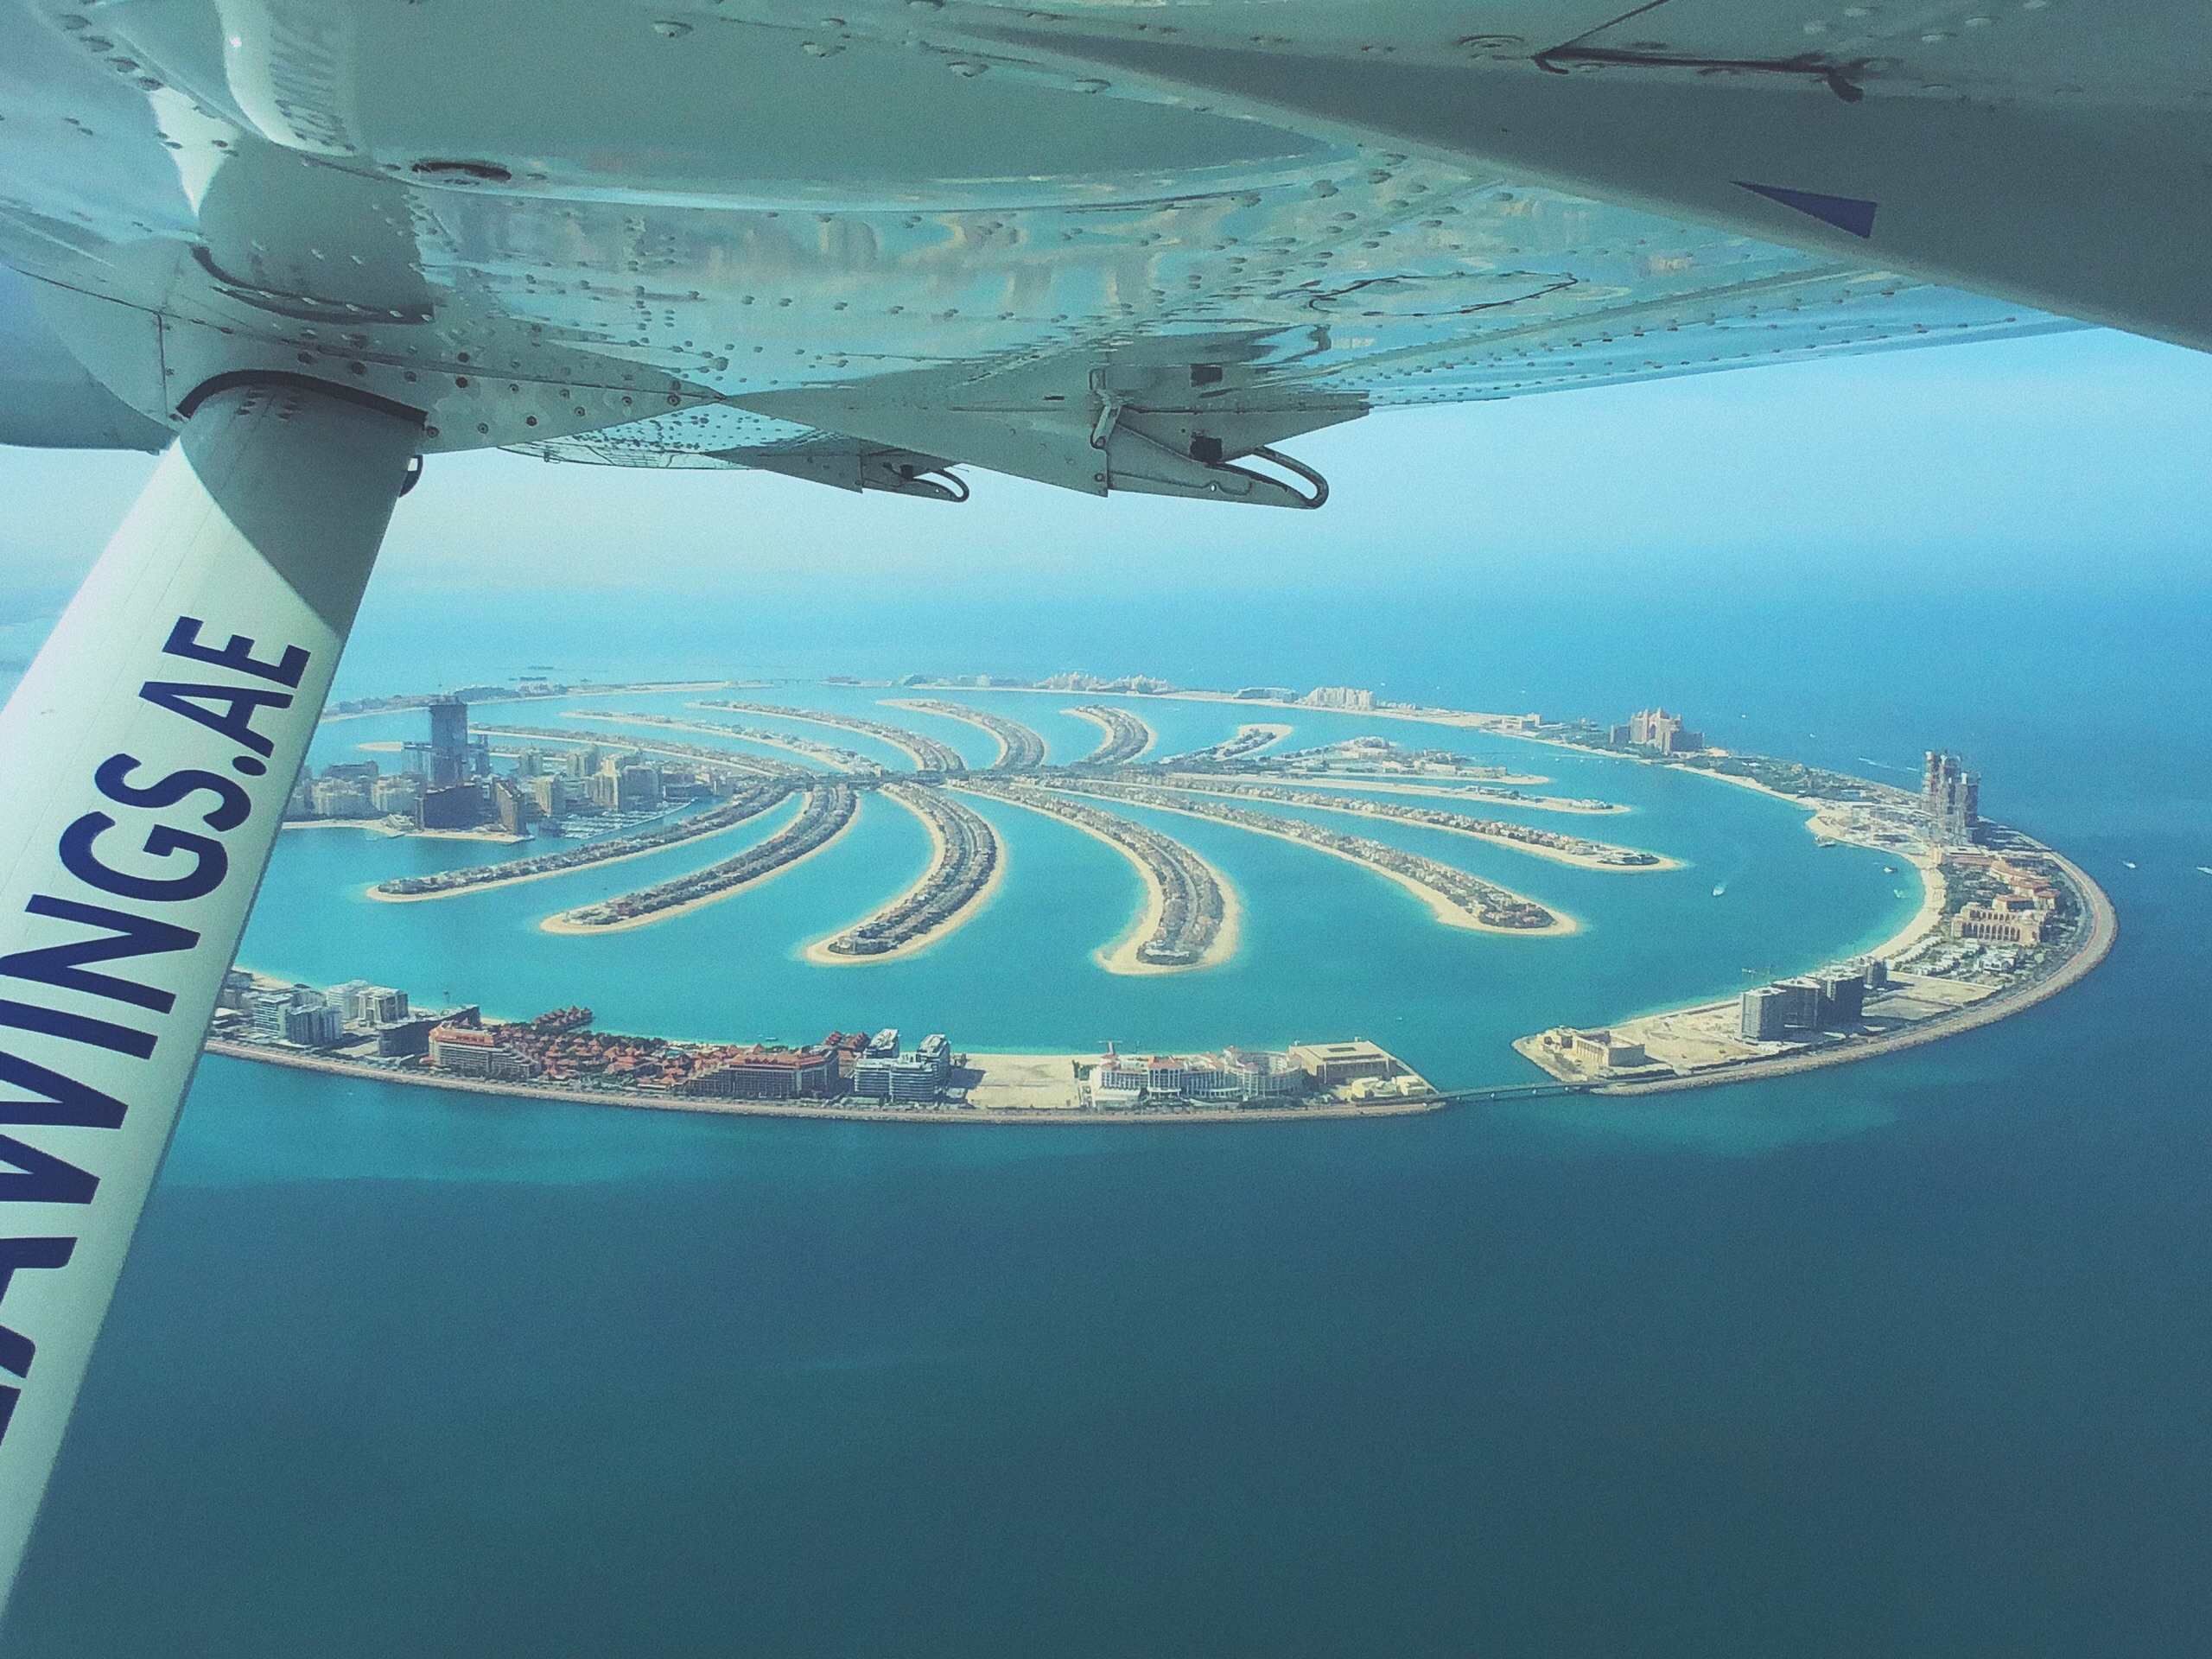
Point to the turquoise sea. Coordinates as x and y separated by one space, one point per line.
1904 1358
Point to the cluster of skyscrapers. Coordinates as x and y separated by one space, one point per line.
1654 729
1832 1000
323 1019
1951 795
447 782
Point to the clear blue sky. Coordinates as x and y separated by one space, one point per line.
2050 462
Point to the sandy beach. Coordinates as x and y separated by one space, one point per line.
815 717
797 747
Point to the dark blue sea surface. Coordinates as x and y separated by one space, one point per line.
1905 1358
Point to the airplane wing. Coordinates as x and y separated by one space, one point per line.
1108 245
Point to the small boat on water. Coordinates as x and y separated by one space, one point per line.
2204 869
1718 891
2130 863
1889 869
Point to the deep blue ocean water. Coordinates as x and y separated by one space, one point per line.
1908 1357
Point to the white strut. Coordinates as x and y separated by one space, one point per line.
148 755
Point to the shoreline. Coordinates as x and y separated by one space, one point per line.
525 1093
2104 930
1120 955
558 924
1445 911
920 706
820 954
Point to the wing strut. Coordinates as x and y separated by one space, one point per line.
148 755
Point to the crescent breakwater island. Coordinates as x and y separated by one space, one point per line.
2005 921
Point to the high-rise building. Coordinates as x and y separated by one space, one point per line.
1843 998
401 793
458 806
550 791
1801 1003
1764 1014
1654 729
1951 796
338 798
449 758
407 1035
638 788
265 1011
317 1025
1352 697
300 804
